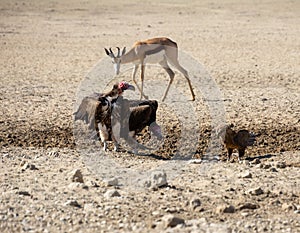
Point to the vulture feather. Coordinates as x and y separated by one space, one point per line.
96 110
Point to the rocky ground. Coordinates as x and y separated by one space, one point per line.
49 182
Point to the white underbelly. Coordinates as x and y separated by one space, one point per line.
155 58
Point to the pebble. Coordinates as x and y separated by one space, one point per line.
288 206
170 220
273 169
73 203
156 180
112 193
29 166
248 205
111 182
246 174
256 161
195 161
76 176
195 203
77 185
280 164
255 191
225 209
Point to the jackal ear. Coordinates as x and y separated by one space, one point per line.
107 52
123 51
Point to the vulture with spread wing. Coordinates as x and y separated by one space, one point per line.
117 116
96 109
236 140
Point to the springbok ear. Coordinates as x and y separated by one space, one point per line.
107 52
123 51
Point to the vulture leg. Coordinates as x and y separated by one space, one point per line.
241 153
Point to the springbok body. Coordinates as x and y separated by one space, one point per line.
156 51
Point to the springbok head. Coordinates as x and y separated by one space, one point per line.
116 59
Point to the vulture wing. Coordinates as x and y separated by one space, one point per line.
87 111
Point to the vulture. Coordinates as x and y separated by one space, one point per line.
129 117
96 110
236 140
118 117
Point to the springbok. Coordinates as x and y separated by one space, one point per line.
155 50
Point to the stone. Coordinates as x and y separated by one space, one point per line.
28 166
245 174
112 193
288 206
77 185
273 169
280 164
246 162
195 161
73 203
266 166
111 182
248 205
195 203
76 176
225 209
255 191
23 193
170 220
255 161
156 180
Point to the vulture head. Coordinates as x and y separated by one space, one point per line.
118 89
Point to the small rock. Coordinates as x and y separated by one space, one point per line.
23 193
288 206
225 209
77 185
250 206
280 164
171 221
112 193
93 184
73 203
111 182
195 203
246 162
245 214
246 174
255 161
157 179
26 166
273 169
195 161
266 166
89 207
255 191
76 176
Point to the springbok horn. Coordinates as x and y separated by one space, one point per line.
118 52
111 52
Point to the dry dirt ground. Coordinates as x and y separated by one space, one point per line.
251 50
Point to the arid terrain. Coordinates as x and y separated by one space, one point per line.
52 180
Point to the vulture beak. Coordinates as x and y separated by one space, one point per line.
131 87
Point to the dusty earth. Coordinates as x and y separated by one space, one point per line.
251 50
